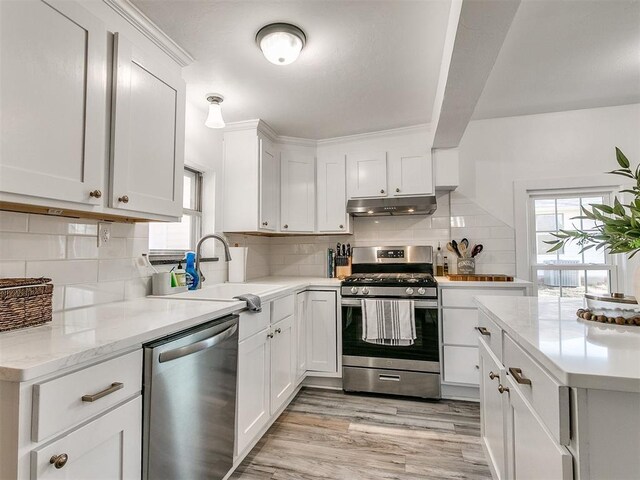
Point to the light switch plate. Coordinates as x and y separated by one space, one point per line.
104 233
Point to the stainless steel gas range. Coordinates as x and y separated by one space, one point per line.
391 273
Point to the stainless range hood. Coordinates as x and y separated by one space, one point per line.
372 207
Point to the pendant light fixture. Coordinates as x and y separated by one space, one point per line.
281 43
214 119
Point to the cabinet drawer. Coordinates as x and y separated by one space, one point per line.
108 447
251 323
459 326
463 297
491 333
549 398
282 308
58 403
461 365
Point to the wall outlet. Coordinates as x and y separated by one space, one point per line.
104 233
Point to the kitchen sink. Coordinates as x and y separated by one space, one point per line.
226 291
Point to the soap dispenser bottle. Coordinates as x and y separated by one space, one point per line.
191 274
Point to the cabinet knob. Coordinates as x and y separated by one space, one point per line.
269 335
285 226
382 190
502 388
341 226
123 199
59 461
493 376
264 224
397 190
95 194
278 330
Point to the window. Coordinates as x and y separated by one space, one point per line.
179 237
566 272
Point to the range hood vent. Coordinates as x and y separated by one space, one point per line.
376 207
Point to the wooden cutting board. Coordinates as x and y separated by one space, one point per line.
489 277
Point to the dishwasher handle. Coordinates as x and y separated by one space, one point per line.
180 352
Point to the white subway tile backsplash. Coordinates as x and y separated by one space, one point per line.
15 269
65 272
115 248
76 296
82 247
24 246
13 222
120 269
61 225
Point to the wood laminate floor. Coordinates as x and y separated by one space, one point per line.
326 434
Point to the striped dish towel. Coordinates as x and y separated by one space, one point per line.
388 322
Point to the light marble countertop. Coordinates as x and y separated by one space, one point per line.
85 334
579 353
517 283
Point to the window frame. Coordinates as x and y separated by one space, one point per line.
196 214
554 194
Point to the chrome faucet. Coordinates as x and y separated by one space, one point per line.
227 253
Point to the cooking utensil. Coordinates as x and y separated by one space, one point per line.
476 250
463 250
465 242
348 250
454 245
451 249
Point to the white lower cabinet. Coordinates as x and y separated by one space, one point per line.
322 354
283 363
301 335
518 442
461 365
108 447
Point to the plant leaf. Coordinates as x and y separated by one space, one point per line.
622 159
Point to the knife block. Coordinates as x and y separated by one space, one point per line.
343 271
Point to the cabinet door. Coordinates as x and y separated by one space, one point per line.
269 186
301 335
283 363
461 365
322 332
332 194
532 453
147 154
108 447
410 173
367 174
492 411
298 192
253 388
53 100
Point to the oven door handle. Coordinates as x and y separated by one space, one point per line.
421 304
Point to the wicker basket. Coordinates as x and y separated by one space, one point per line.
24 302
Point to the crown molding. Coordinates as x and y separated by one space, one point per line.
420 128
144 25
254 124
297 141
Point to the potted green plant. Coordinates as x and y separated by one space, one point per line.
617 226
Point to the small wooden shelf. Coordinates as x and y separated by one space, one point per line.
480 278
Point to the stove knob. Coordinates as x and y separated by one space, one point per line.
365 291
354 290
421 291
409 291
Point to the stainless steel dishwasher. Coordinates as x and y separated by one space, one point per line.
189 393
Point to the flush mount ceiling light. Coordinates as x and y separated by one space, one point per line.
281 43
214 119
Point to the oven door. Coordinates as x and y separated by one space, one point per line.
422 356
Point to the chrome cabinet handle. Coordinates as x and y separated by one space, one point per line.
115 386
278 330
517 374
493 376
397 190
95 194
123 199
502 388
59 461
483 331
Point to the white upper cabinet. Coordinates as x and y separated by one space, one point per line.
367 174
148 133
332 194
298 192
251 180
410 173
53 101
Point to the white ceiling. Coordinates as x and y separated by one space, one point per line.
367 66
566 55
